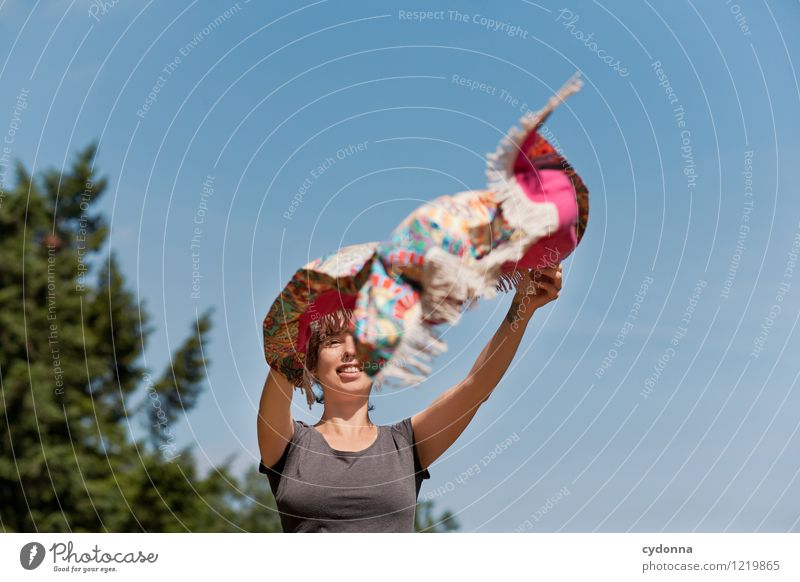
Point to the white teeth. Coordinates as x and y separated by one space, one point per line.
350 369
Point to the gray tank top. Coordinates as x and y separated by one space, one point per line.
320 489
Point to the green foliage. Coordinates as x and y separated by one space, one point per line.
72 337
426 522
71 380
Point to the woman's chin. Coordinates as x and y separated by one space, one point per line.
353 383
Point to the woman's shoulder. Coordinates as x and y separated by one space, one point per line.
300 429
403 433
404 429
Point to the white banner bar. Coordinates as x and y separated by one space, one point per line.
529 556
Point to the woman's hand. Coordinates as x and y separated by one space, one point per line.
535 289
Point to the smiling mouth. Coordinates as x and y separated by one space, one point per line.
349 369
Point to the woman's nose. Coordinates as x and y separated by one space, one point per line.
349 351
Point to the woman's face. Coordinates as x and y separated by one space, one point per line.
337 367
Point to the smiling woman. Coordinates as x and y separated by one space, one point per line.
345 473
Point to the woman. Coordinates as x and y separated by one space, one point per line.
345 474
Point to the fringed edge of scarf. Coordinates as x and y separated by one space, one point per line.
508 282
499 164
336 319
418 346
451 286
306 387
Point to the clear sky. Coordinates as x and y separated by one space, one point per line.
658 393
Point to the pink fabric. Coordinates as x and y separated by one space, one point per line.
550 187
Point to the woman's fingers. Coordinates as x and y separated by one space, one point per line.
550 280
553 274
550 288
547 279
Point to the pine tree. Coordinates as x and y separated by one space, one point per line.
71 341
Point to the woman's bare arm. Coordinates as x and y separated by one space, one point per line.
440 424
275 425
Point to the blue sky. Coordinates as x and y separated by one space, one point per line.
682 132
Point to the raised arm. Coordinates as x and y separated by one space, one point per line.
275 425
440 424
